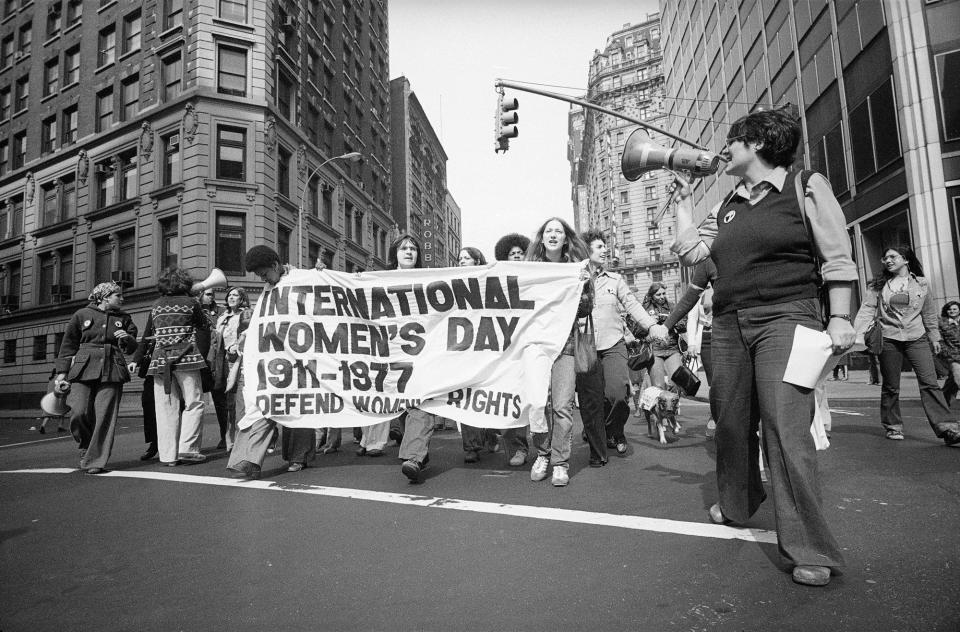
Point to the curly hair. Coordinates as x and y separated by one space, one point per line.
648 300
591 235
913 264
476 255
392 263
946 306
175 280
260 257
573 247
507 243
778 132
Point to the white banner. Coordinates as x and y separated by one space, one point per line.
477 344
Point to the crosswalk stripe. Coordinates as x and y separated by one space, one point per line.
636 523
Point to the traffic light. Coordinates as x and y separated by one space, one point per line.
506 122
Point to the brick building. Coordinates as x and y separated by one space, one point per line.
135 135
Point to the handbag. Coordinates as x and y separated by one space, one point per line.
640 356
873 337
685 379
584 347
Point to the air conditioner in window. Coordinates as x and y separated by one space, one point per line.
174 141
103 168
288 23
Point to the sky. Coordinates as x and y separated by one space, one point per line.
452 51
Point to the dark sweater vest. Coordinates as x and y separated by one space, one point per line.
763 253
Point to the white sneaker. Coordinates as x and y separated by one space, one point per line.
519 458
560 476
539 470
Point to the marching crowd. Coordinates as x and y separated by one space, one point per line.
769 257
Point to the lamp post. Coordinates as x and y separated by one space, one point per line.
352 156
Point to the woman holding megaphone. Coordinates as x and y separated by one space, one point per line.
91 370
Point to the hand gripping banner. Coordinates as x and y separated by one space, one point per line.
473 344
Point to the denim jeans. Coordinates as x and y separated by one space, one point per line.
590 393
616 390
750 351
920 356
555 443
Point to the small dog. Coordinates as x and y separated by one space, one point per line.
660 408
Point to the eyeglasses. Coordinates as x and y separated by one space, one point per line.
734 139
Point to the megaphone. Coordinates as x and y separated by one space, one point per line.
641 155
216 278
54 404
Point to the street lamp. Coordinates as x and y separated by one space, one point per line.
352 156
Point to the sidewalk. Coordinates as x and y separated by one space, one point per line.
856 390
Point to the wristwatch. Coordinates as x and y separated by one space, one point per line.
845 317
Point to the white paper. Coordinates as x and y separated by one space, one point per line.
811 358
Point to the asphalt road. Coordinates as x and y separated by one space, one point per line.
349 544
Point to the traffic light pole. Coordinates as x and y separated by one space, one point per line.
500 83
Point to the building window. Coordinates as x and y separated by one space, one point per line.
171 72
71 66
51 76
131 97
624 197
74 12
235 10
107 46
653 233
358 226
6 51
874 133
828 157
26 39
172 13
6 100
649 193
283 171
232 74
285 92
9 351
70 122
231 153
948 83
40 347
170 144
328 204
127 184
21 99
68 197
283 243
102 259
104 109
54 21
313 198
4 166
231 242
48 135
19 150
131 32
106 179
656 276
654 254
169 242
10 294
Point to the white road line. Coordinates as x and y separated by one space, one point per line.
13 445
637 523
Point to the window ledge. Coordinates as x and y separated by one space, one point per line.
173 30
49 96
129 53
242 26
214 184
168 191
53 38
69 85
73 26
55 228
107 6
16 240
21 58
20 112
109 64
113 209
